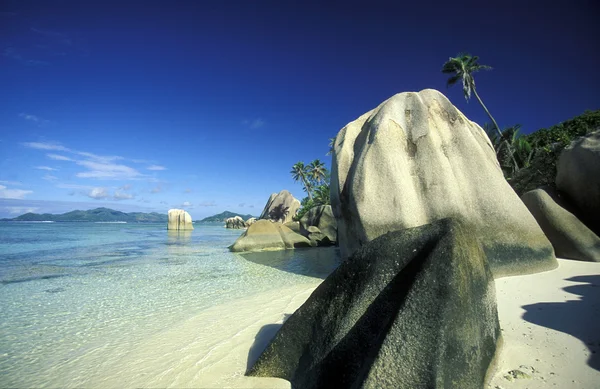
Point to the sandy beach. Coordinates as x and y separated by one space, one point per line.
550 328
549 325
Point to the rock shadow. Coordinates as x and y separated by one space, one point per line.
578 318
316 262
262 340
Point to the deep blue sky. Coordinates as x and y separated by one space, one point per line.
141 105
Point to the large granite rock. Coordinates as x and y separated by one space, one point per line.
322 218
235 222
416 159
570 238
179 220
411 309
578 176
267 235
250 221
281 207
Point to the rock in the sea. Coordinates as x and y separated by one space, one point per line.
321 217
267 235
235 222
179 220
411 309
570 238
416 159
250 221
578 176
281 207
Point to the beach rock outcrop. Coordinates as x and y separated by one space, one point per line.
578 176
250 221
319 225
235 222
570 238
415 159
410 309
281 207
179 220
294 226
267 235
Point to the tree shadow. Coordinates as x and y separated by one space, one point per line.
262 340
578 318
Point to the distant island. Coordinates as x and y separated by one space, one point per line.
221 217
94 215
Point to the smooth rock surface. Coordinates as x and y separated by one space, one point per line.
179 220
570 238
412 309
250 221
322 218
267 235
415 159
281 207
578 176
235 222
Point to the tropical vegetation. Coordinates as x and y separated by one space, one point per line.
462 67
315 179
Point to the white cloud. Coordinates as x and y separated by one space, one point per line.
108 171
50 169
207 204
29 117
57 157
122 195
156 167
99 158
254 124
20 210
186 204
164 202
74 186
49 177
11 183
46 146
6 193
97 193
157 189
126 187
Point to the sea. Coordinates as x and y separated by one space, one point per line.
77 299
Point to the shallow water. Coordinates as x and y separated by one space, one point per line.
79 296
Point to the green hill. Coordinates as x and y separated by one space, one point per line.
95 215
221 217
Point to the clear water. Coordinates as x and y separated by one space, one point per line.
71 290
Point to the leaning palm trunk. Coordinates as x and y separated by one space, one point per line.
508 148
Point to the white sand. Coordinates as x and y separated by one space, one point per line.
210 350
551 328
550 324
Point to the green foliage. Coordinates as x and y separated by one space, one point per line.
546 145
96 215
462 68
321 197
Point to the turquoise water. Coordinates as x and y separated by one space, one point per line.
69 290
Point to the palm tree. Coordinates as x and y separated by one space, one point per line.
322 196
301 173
462 67
331 146
316 171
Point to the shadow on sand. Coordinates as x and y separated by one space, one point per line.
578 318
262 340
316 262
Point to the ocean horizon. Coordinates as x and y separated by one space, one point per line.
77 298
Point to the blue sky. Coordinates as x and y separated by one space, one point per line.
147 105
